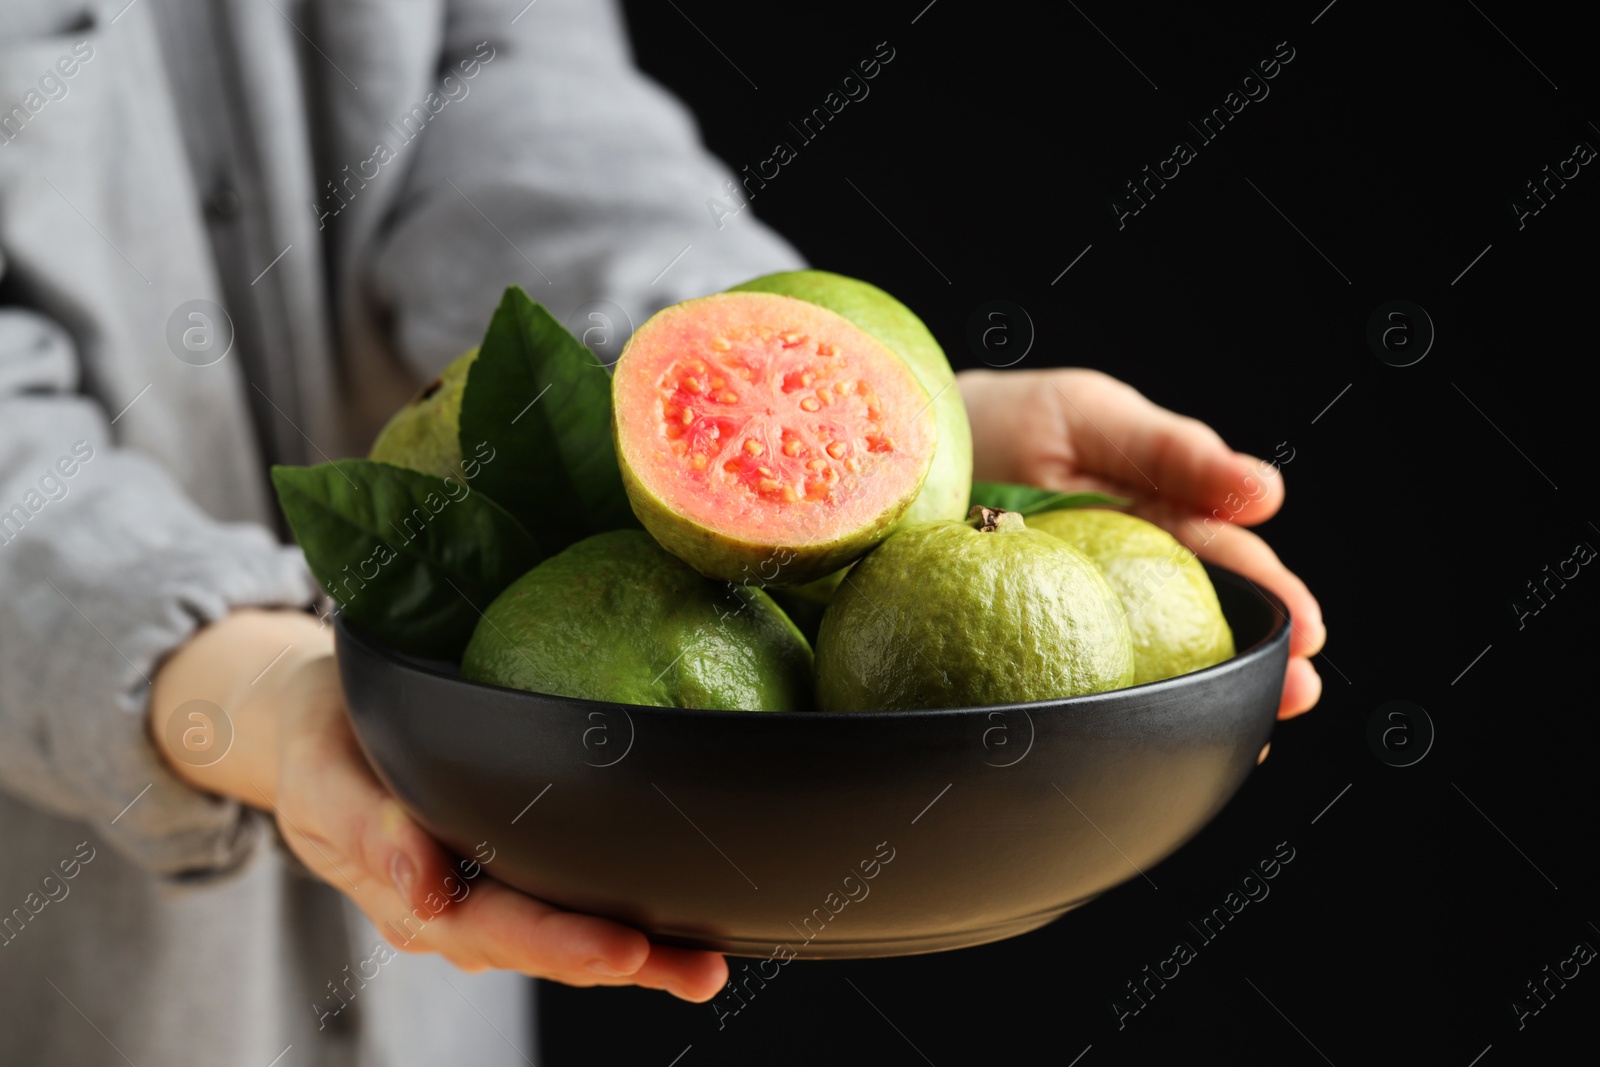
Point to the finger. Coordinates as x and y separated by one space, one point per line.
513 931
1244 553
475 922
1117 433
351 831
1302 688
696 979
689 974
341 820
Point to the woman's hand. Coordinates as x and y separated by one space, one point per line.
1081 429
294 754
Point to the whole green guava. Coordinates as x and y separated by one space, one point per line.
967 614
423 435
1172 608
616 617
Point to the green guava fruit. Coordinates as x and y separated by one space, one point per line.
1172 608
806 603
767 440
944 494
423 435
616 617
966 614
804 611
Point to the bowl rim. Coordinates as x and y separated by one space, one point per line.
1276 636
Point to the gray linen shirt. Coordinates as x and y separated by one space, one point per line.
352 182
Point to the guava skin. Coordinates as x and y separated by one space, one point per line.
1173 613
949 483
960 614
723 556
423 435
615 617
805 613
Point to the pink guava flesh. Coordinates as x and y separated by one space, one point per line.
749 423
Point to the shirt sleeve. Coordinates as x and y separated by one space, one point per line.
564 169
105 568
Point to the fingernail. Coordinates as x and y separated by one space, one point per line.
404 874
601 967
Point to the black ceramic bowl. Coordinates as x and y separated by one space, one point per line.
837 835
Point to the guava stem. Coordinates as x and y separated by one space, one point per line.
988 519
995 520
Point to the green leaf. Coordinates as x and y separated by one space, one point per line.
412 557
1028 500
542 402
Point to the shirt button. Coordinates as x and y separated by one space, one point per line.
224 202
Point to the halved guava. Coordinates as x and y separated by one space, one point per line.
767 440
949 484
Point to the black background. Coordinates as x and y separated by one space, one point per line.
1419 504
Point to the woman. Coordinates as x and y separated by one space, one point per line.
235 233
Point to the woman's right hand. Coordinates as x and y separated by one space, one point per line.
293 753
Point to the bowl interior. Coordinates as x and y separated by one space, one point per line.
1257 619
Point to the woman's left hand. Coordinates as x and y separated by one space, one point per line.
1075 429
